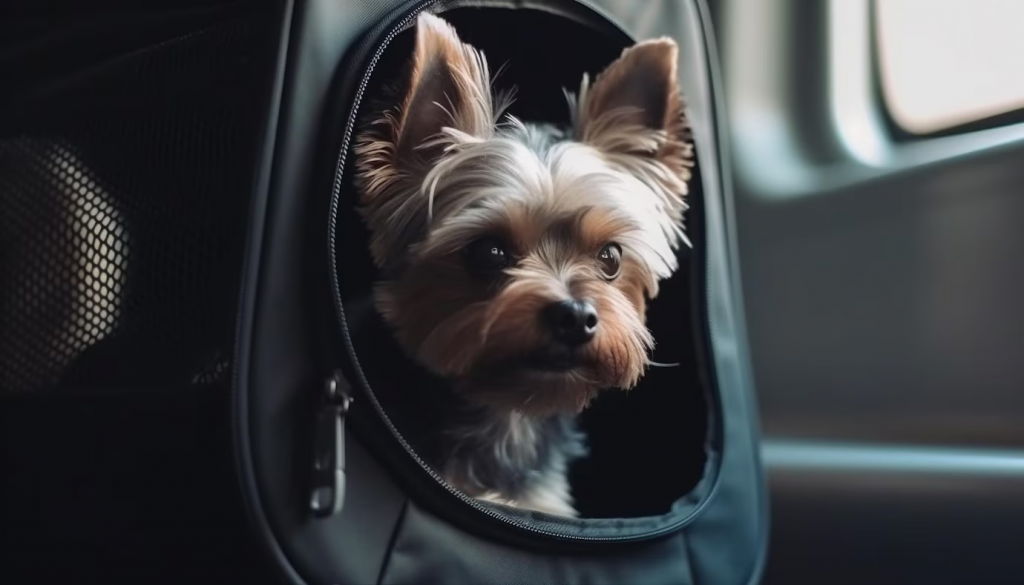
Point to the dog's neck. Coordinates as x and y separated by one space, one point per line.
502 451
476 449
514 459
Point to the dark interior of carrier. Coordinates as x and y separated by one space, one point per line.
127 147
129 133
647 446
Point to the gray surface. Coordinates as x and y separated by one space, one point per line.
276 369
719 537
882 283
428 550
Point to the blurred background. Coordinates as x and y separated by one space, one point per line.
878 164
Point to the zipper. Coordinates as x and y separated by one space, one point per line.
393 31
327 488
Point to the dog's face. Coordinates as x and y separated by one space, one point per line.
517 260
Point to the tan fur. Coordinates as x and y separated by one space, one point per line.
440 171
486 181
634 114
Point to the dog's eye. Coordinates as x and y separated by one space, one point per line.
610 260
487 256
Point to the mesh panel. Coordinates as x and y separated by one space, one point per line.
123 198
65 255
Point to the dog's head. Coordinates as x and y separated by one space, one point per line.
517 259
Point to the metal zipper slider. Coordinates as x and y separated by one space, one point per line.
327 491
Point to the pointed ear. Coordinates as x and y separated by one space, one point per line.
449 87
634 100
447 100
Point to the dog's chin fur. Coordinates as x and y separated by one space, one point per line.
533 392
443 169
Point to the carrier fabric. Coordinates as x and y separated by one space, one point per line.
398 524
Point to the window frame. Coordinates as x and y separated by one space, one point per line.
896 130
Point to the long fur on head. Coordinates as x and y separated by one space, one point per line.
439 171
449 87
634 115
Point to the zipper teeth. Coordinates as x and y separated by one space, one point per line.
339 308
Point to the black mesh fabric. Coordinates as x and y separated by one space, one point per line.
124 189
65 259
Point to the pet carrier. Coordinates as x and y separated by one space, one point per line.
157 158
672 490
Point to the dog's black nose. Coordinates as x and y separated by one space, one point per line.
571 322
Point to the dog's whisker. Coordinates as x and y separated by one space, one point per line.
661 365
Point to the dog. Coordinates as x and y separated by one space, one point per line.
516 259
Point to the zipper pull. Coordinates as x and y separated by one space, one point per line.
327 491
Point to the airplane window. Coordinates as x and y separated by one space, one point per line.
947 63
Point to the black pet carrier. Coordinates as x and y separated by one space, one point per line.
156 426
672 490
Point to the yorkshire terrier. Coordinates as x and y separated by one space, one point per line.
516 259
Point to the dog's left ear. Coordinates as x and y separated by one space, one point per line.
635 107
